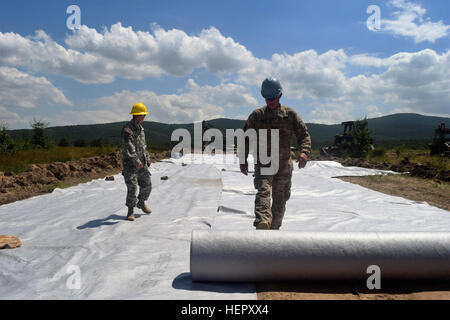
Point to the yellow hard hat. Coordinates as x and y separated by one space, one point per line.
138 109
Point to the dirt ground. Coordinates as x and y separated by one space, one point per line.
435 193
44 178
417 290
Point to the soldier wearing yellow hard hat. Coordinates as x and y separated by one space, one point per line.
139 109
136 161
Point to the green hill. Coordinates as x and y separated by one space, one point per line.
413 130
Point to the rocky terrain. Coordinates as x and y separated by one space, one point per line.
43 178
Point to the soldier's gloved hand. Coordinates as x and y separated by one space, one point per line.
244 168
302 160
139 165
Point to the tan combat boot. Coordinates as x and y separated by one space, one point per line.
141 205
130 215
263 226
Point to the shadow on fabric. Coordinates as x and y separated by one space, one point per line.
108 221
184 282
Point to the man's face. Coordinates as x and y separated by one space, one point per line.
273 103
139 119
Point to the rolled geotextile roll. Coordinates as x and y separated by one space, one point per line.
267 255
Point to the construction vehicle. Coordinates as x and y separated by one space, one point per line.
341 141
441 141
342 145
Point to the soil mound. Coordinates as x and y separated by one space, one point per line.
43 178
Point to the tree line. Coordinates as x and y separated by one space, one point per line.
40 140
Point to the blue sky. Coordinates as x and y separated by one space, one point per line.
195 60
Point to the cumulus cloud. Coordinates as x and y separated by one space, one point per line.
373 111
169 108
196 103
40 53
331 113
410 22
411 81
8 116
416 81
21 90
226 95
304 73
93 57
369 61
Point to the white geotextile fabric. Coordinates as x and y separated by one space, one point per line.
84 226
149 258
321 203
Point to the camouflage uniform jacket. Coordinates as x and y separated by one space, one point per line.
288 122
134 146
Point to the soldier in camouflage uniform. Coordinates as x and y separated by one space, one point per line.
275 116
136 161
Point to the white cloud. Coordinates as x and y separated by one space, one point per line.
8 116
241 117
93 57
304 73
369 61
21 90
226 95
41 54
416 81
409 22
169 108
329 113
12 120
373 112
197 103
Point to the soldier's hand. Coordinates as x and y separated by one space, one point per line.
149 162
139 165
244 168
302 160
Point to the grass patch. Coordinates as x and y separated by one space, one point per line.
423 157
52 186
20 161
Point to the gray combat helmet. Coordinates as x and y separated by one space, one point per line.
271 88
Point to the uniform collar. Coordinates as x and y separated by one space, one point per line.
281 111
136 126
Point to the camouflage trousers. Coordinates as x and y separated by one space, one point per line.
279 187
134 178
